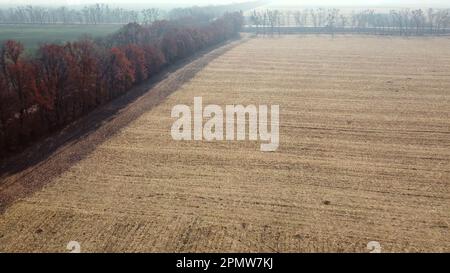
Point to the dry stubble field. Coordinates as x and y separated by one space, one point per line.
364 156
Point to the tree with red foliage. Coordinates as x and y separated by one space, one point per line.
120 74
18 76
55 90
136 56
169 47
185 43
154 59
161 27
199 38
131 33
4 113
85 72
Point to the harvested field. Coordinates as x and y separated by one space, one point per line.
364 156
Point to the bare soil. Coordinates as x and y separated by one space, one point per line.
364 156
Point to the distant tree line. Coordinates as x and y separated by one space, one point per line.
209 12
105 14
398 22
92 14
45 92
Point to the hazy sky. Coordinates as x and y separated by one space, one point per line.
427 3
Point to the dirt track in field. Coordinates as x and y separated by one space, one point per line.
364 156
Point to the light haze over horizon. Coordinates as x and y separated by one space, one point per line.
336 3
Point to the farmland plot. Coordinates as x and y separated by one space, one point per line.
364 156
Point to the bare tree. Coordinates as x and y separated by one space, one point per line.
430 19
442 19
343 20
397 20
150 15
298 18
287 18
405 16
315 18
321 16
273 19
333 15
419 19
257 20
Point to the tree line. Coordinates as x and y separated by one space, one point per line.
60 83
90 14
209 12
105 14
398 22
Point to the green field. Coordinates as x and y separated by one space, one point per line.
33 35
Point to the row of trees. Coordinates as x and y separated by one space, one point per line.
41 94
92 14
104 14
403 22
209 12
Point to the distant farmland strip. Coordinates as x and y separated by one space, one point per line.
33 35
